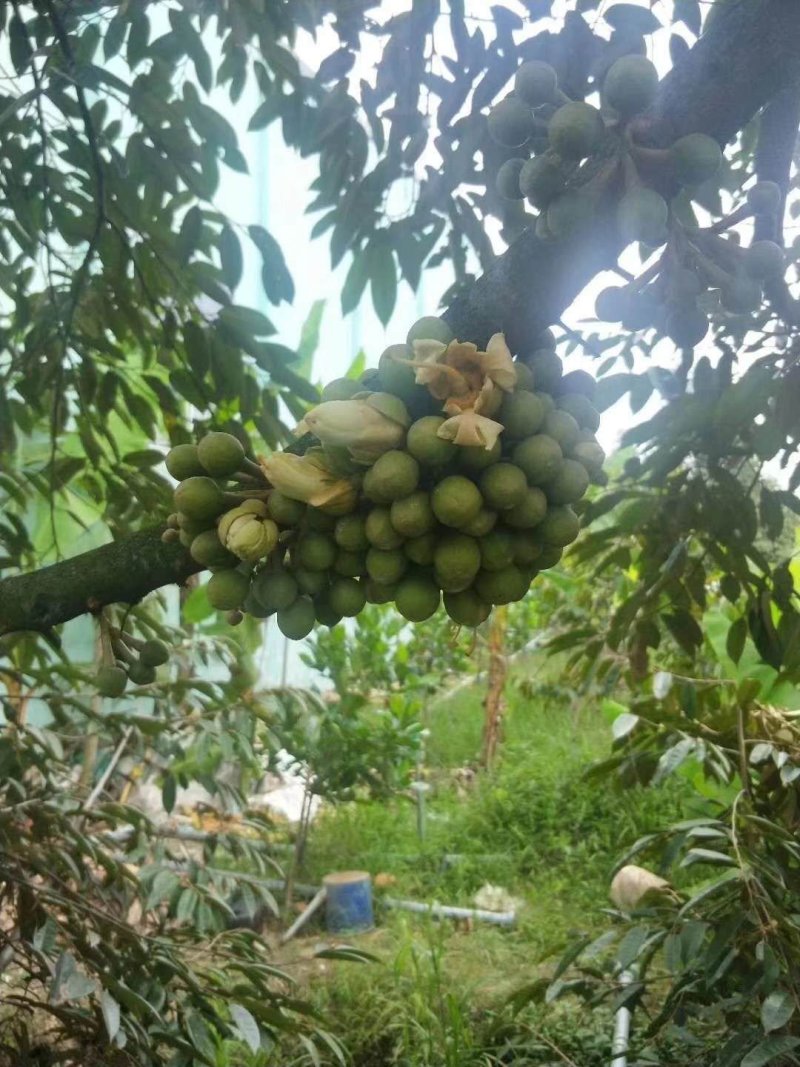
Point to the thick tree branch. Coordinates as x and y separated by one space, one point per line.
751 54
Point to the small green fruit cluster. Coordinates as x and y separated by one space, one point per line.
129 659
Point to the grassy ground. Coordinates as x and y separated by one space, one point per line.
533 826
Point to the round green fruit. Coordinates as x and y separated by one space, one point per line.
686 327
154 653
379 594
325 614
569 484
297 621
314 551
581 409
542 179
370 379
547 369
221 454
141 674
611 304
111 681
394 475
559 527
417 598
456 561
765 259
275 590
576 130
199 498
283 510
524 381
341 389
502 586
539 457
529 512
413 515
483 522
476 458
572 211
590 454
684 284
577 381
311 582
386 566
521 413
526 550
561 426
398 377
347 597
350 564
549 557
535 83
208 550
466 608
226 590
497 550
430 328
379 530
456 500
642 216
765 198
424 444
318 520
695 158
350 533
507 180
511 123
421 550
741 295
630 85
503 486
182 462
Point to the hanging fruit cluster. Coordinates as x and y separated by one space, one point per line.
126 658
699 268
446 471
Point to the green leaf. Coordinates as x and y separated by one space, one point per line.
111 1014
247 1026
275 276
230 251
18 44
169 790
735 641
632 18
189 234
245 323
768 1050
382 277
777 1010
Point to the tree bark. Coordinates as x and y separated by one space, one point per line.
751 54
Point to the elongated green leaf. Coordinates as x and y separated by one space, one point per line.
768 1050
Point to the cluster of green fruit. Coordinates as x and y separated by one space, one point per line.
128 659
427 517
700 271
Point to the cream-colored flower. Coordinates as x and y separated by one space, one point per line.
249 507
251 538
470 428
310 479
367 425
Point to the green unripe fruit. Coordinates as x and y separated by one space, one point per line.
503 486
642 216
370 379
466 608
548 403
275 590
283 510
251 606
497 550
524 377
456 561
226 590
526 551
318 520
456 500
347 597
590 454
741 295
111 681
297 621
192 527
630 85
350 533
394 475
421 550
154 653
341 389
577 381
350 564
379 594
379 530
186 538
424 444
483 522
559 527
417 598
549 557
311 582
684 284
511 123
686 327
314 552
581 409
477 458
521 413
576 130
542 179
221 454
535 83
529 512
413 515
695 158
547 369
430 328
325 614
765 259
765 198
572 211
561 426
199 498
544 339
141 674
611 304
539 457
386 566
507 180
396 377
182 462
569 484
208 550
502 586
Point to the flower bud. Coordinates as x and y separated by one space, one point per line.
310 479
251 538
249 507
367 426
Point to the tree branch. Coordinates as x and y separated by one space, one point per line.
751 54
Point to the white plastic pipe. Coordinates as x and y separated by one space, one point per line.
314 904
445 911
622 1028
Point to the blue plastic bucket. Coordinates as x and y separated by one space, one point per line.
348 902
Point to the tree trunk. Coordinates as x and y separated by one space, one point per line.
494 704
